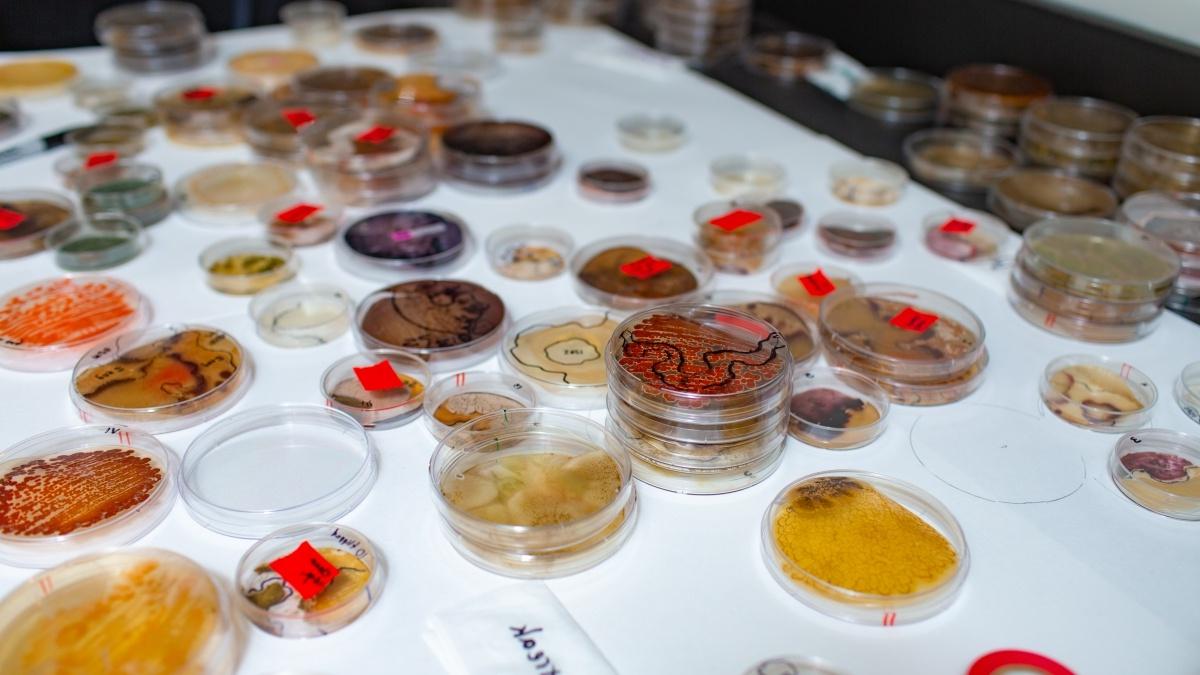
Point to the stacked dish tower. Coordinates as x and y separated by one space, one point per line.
703 31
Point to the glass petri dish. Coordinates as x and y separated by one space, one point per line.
135 610
807 284
206 113
395 244
107 136
396 38
36 78
97 242
857 235
27 217
338 86
826 538
740 236
381 388
786 55
794 665
320 460
867 182
561 352
372 156
1159 469
300 220
48 324
1099 393
797 331
1077 134
161 379
964 235
247 266
272 603
302 314
651 132
1187 391
836 408
1026 196
131 188
559 492
499 156
270 68
79 490
459 399
316 23
613 181
746 175
631 273
897 95
448 323
233 193
528 253
957 160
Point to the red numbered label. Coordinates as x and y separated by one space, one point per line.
199 94
375 135
379 377
957 226
99 159
10 219
646 267
910 319
305 570
817 284
298 213
735 219
1006 659
298 117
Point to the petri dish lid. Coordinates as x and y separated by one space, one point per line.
1002 84
797 330
897 90
390 243
301 314
561 351
338 84
630 273
856 234
262 468
381 388
824 401
27 217
233 193
1081 118
1172 217
1177 138
651 132
1159 469
79 490
965 235
529 253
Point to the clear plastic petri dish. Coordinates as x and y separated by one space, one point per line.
276 595
1159 469
439 100
381 388
786 55
828 538
204 113
140 610
965 235
396 39
107 136
1071 305
79 490
233 193
27 217
367 157
747 175
320 460
412 316
1077 134
272 127
561 352
612 181
97 242
301 220
797 330
161 379
267 69
246 266
867 182
155 37
337 86
48 324
502 156
857 235
631 273
651 132
134 189
1187 391
461 398
794 665
990 97
397 244
534 493
897 96
1025 196
1160 153
529 253
836 408
1172 217
1076 327
302 314
36 78
314 23
958 160
740 236
1099 393
807 284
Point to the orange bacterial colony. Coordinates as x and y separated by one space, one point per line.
64 311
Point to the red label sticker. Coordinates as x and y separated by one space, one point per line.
646 267
305 570
735 219
199 94
957 226
298 117
298 212
379 377
375 135
1003 660
10 219
817 284
911 319
745 323
99 159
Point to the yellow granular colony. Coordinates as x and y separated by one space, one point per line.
846 533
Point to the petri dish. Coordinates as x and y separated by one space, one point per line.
807 284
787 55
499 156
828 538
561 352
794 665
529 253
155 37
1174 218
650 132
857 235
439 100
744 174
613 181
461 398
302 314
791 215
131 188
958 160
338 86
267 571
964 235
990 97
740 236
836 408
78 490
897 95
162 378
107 136
396 38
394 244
272 127
93 93
448 323
141 610
1077 134
1187 391
130 112
1026 196
381 388
48 324
462 62
27 217
319 464
233 193
206 113
1099 393
35 78
1160 153
534 493
867 182
316 23
246 266
267 69
1159 469
517 28
300 220
97 242
796 329
630 273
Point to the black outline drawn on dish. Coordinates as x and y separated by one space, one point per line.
604 318
469 334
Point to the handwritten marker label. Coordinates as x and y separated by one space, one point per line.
735 219
646 267
298 117
298 213
10 219
423 231
1005 659
746 324
305 570
910 319
817 284
199 94
957 226
99 159
375 135
379 377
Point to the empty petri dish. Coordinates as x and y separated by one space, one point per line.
319 463
853 234
79 490
964 235
1187 391
33 78
302 314
300 220
648 132
246 266
499 155
48 324
794 665
1159 469
206 113
97 242
797 330
396 38
740 236
233 193
1025 196
460 398
1098 393
393 244
381 388
629 273
836 408
528 253
958 160
315 23
561 352
746 175
867 182
139 610
807 284
613 181
160 379
786 55
270 68
450 324
131 188
27 216
864 548
897 95
278 594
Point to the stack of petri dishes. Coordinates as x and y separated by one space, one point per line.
699 394
787 56
1092 279
1025 196
438 100
958 160
155 37
370 157
1078 135
921 347
703 31
499 156
1160 153
1174 218
337 86
990 97
897 96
